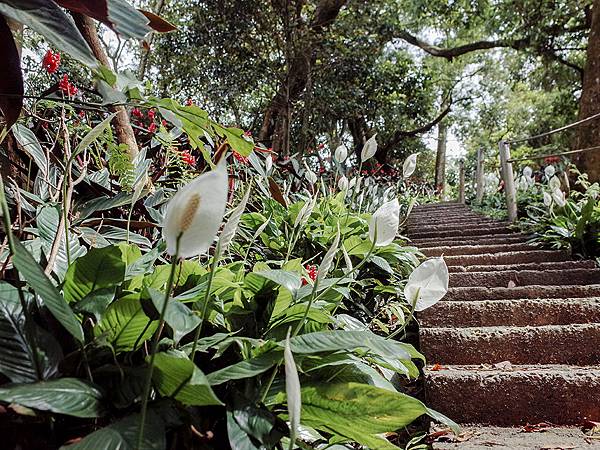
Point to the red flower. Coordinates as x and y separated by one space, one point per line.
188 158
51 61
240 158
135 112
164 123
189 102
151 114
152 127
66 87
312 273
82 113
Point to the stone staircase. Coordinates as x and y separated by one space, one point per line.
516 340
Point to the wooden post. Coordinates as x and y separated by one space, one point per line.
479 177
461 177
509 181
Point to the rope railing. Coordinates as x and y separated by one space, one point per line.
506 163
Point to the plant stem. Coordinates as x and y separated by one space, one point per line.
213 269
154 348
408 319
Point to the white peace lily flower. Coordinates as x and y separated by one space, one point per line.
409 166
341 153
343 183
554 183
527 172
352 183
549 171
195 213
427 284
559 198
268 164
386 220
327 262
310 175
523 183
547 199
369 149
292 389
305 212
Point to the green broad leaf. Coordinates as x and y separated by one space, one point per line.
289 280
235 138
175 375
245 369
42 286
31 145
125 325
123 435
69 396
332 341
96 302
179 317
100 268
48 20
382 264
92 136
17 355
359 411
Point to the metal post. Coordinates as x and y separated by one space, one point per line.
479 177
461 177
509 181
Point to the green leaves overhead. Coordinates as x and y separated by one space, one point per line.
47 19
11 80
69 396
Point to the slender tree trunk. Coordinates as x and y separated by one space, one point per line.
121 122
440 158
588 135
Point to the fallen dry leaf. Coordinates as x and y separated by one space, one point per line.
436 367
537 427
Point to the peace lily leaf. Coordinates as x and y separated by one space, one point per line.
409 166
100 268
292 389
369 149
176 375
231 226
125 325
289 280
123 435
327 262
69 396
92 135
32 147
427 284
245 369
385 221
358 411
41 284
179 317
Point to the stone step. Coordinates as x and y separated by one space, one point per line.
559 265
484 239
515 395
519 292
575 344
476 231
461 250
525 278
432 219
519 257
517 313
546 437
458 226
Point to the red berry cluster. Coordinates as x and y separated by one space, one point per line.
188 158
148 122
240 158
312 273
551 160
51 61
66 86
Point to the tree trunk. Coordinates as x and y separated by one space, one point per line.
440 158
121 122
299 60
588 134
